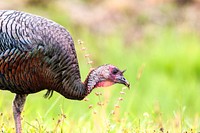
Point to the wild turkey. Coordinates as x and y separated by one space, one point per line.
37 54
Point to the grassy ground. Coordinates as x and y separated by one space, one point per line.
164 71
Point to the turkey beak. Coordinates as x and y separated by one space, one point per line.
122 80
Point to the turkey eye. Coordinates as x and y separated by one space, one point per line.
115 71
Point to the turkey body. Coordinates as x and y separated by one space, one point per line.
36 54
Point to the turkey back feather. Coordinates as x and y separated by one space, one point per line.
36 54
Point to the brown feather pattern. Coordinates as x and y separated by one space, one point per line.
37 54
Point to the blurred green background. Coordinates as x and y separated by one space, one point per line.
156 41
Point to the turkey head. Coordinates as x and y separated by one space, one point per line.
105 75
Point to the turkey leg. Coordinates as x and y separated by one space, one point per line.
18 105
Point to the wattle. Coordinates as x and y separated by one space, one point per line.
104 84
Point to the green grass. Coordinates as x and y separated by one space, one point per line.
163 69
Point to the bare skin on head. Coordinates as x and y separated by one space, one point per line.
106 75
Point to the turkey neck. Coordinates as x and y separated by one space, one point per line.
64 66
60 52
69 80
